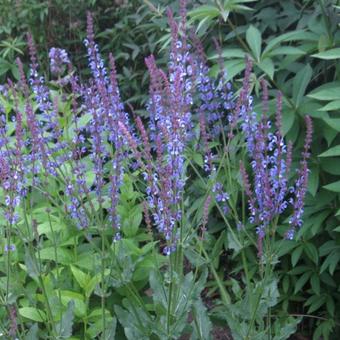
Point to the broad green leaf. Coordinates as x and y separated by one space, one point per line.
329 134
64 256
91 284
334 151
315 283
32 333
81 277
329 91
32 313
267 66
229 53
313 180
64 327
290 36
296 255
334 123
301 281
331 262
203 12
334 53
287 329
97 327
202 325
198 159
254 40
215 253
159 294
79 304
288 118
315 302
312 252
234 67
45 227
285 50
332 106
131 224
300 83
144 268
31 266
335 186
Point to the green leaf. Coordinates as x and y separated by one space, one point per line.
334 53
334 151
287 121
330 262
312 252
335 186
81 277
334 123
267 66
156 284
229 53
300 83
64 328
32 313
131 224
285 50
79 304
32 333
289 36
332 106
91 284
313 180
233 67
202 325
204 12
144 268
215 253
301 281
315 283
45 227
31 266
65 256
315 302
198 159
97 327
329 91
296 255
254 40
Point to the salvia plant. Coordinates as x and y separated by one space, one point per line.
78 171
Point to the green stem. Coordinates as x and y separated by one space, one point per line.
103 292
224 294
168 323
57 266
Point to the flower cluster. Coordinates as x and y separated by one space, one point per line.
58 60
215 95
44 148
169 107
271 160
300 187
88 156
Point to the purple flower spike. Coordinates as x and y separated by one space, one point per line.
300 188
58 60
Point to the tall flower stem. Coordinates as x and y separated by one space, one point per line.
57 265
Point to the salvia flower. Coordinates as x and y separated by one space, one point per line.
58 60
270 160
300 187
